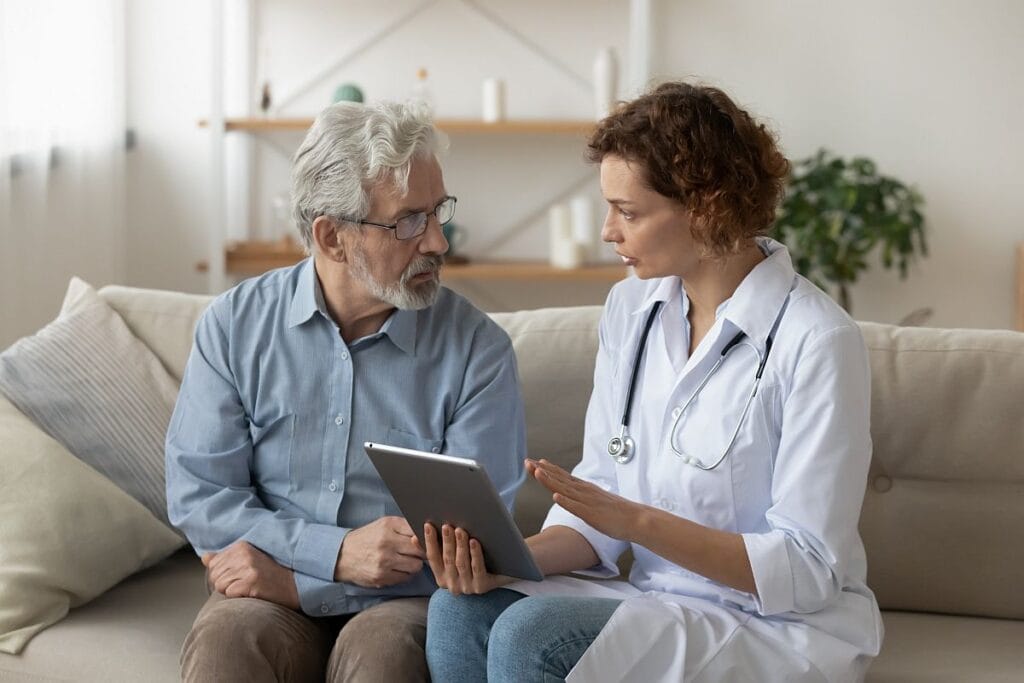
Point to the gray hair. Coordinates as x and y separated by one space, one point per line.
349 148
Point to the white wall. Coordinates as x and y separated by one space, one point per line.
930 89
168 171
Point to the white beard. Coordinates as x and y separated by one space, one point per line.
401 294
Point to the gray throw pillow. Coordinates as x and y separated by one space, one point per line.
89 383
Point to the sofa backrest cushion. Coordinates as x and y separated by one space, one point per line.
555 350
164 321
943 519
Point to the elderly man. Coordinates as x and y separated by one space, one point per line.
311 567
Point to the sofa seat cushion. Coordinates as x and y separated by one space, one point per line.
133 632
937 648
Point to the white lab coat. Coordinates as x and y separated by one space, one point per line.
792 485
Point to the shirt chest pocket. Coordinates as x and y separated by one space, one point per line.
272 453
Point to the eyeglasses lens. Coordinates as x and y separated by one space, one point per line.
410 226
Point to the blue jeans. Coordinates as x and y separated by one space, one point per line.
504 636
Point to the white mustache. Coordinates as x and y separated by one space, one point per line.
424 264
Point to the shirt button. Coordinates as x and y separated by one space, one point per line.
677 412
339 420
435 449
324 609
344 355
333 486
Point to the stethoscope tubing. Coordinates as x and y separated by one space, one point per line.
621 447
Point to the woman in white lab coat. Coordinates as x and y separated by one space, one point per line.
736 469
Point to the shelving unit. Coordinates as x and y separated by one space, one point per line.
254 257
250 257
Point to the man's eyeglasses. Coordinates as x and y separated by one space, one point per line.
415 224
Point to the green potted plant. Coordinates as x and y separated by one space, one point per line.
836 213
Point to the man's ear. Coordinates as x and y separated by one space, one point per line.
327 236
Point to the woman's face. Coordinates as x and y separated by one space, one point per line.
649 231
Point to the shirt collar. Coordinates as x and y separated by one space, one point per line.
308 300
401 330
664 290
756 304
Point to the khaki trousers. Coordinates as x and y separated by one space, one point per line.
245 639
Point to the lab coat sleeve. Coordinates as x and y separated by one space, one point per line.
597 466
819 477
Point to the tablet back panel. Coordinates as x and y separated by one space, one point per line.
443 489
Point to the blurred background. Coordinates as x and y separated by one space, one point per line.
147 143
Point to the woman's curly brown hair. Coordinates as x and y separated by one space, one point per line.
697 147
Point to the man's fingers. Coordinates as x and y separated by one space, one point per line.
217 571
236 589
222 581
207 558
399 525
407 565
410 547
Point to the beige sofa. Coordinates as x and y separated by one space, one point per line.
943 514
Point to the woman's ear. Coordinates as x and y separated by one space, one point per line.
327 236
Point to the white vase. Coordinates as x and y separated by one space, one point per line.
606 81
493 100
584 231
564 252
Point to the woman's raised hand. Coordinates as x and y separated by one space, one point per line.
458 562
609 513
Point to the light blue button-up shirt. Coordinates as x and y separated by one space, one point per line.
266 441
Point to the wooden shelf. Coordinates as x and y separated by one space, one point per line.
532 270
521 126
256 257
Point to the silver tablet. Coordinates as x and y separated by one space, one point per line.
443 489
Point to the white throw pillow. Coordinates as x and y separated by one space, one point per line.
67 534
88 382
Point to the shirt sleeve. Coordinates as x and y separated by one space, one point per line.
596 466
489 418
209 452
819 478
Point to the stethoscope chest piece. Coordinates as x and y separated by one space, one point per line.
621 448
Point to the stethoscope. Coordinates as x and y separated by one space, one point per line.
622 447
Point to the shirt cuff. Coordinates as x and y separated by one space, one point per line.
318 549
319 598
608 549
773 575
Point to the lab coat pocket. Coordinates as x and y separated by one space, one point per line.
272 453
